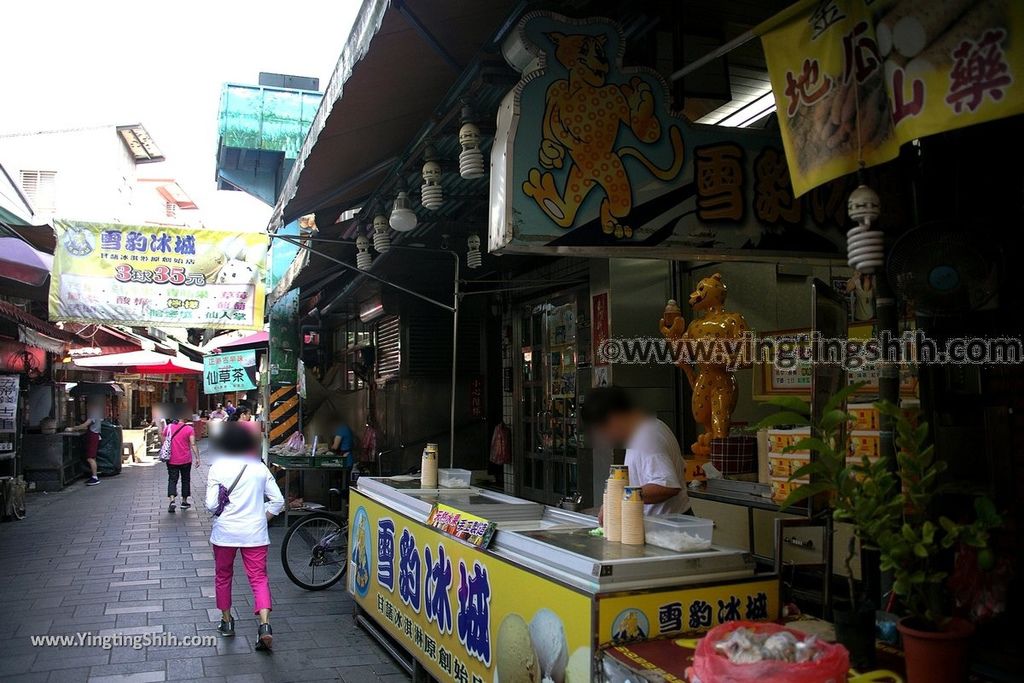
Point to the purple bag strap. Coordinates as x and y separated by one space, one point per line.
235 482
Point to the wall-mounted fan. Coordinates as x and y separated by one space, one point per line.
941 270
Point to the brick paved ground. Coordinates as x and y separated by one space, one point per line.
110 559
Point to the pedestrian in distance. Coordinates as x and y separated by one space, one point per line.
95 412
243 497
184 456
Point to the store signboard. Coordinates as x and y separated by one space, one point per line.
643 616
234 371
464 526
859 78
9 389
588 159
463 613
157 276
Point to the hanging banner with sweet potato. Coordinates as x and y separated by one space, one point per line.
856 79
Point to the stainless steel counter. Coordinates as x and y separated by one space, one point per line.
556 543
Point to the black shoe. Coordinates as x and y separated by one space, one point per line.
264 638
186 506
226 628
92 481
170 508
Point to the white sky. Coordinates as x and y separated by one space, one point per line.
68 63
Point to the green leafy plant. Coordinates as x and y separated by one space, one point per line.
864 494
916 551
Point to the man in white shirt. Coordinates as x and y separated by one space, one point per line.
652 452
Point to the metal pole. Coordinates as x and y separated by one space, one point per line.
455 346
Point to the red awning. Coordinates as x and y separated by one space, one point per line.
15 314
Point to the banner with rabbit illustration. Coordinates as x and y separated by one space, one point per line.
161 276
856 79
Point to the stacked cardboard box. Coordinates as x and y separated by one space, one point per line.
782 464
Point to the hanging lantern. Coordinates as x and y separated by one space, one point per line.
431 193
381 237
363 258
473 257
865 246
471 159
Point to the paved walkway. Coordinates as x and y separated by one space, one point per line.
109 559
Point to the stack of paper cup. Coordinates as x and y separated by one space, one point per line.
428 467
614 488
632 515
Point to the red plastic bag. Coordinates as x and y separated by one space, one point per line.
711 667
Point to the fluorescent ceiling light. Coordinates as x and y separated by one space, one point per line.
743 110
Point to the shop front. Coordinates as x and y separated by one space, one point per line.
617 232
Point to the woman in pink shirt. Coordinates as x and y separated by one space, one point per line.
184 455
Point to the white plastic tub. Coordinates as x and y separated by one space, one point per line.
454 478
681 533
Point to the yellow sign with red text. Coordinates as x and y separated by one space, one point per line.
856 79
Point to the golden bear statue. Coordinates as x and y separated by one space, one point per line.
712 343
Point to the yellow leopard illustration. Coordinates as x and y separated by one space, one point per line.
581 120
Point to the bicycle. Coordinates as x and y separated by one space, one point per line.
12 498
314 551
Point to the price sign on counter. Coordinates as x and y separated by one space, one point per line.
472 529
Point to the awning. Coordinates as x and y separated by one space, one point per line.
148 362
15 314
21 262
381 95
254 340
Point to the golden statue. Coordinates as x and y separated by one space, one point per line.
713 382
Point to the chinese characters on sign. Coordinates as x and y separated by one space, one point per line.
855 80
234 371
461 525
152 275
9 387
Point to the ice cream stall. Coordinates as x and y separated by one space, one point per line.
476 585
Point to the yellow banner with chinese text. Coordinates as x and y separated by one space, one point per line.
657 614
157 276
855 79
463 613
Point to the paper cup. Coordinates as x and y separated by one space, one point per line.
619 472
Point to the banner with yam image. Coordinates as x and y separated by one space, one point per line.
856 79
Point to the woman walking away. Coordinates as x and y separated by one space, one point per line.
237 487
184 456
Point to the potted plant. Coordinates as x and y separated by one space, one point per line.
918 553
864 494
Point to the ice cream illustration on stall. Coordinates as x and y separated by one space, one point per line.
232 262
538 652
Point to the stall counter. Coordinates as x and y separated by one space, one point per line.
541 599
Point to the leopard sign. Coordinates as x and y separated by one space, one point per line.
589 159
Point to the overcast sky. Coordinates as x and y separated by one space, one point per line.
71 63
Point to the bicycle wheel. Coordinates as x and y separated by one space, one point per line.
18 507
315 551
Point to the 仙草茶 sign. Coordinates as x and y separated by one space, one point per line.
235 371
157 276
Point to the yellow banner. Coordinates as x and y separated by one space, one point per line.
856 79
642 616
156 275
463 613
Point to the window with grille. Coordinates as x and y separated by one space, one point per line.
41 189
389 347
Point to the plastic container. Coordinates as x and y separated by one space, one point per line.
681 533
454 478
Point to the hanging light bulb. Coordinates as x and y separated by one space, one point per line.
363 258
431 193
471 159
473 257
381 238
865 247
403 218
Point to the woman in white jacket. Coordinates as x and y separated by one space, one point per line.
242 495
